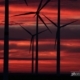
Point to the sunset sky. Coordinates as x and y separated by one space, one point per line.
20 40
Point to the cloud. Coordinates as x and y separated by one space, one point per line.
20 34
72 50
20 49
67 4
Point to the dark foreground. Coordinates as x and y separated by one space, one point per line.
25 76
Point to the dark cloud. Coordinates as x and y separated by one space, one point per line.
20 34
67 4
17 51
14 46
1 47
44 47
71 49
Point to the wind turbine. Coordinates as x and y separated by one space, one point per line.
31 42
6 41
37 13
58 35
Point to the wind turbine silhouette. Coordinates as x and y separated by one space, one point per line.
60 26
37 13
31 41
58 35
32 45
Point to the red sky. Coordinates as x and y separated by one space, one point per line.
19 39
70 53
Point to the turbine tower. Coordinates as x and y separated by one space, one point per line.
6 41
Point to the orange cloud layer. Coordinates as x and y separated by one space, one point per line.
30 21
51 13
22 47
49 66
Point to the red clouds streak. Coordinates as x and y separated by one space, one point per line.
19 49
19 46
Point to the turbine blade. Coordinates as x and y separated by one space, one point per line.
33 50
33 43
68 23
28 13
40 32
39 5
26 30
45 4
55 40
34 15
44 23
50 20
30 44
26 2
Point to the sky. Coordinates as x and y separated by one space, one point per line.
20 40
